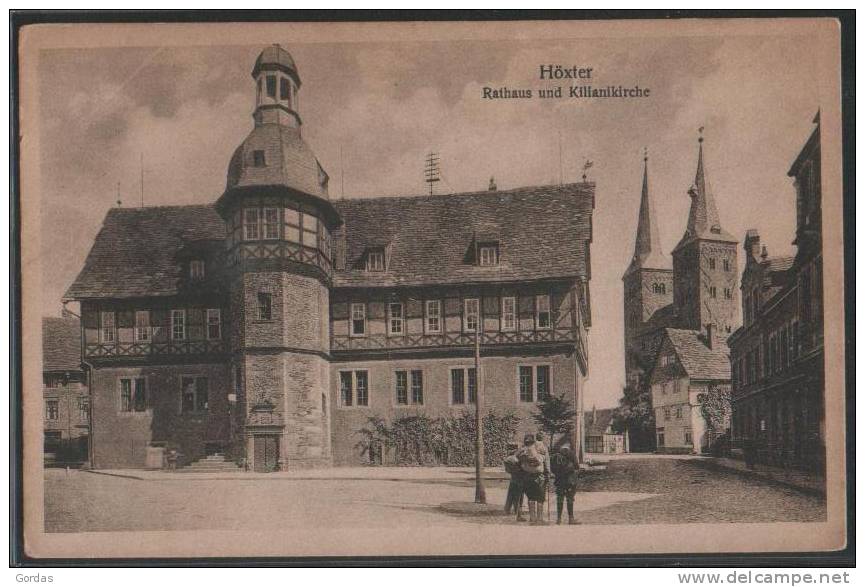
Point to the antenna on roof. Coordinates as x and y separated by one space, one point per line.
561 178
142 180
341 175
432 172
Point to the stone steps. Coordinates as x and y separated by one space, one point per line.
215 463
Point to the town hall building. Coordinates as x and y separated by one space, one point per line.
677 317
270 325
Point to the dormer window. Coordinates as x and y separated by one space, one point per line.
258 159
196 269
375 260
488 255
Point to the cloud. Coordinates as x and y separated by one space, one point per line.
371 112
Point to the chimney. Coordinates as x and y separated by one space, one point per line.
710 336
752 243
493 186
594 414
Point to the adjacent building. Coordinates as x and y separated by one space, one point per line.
66 401
272 324
600 436
777 354
683 308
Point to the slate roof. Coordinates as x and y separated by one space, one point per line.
135 253
275 57
698 360
704 221
61 344
290 162
597 421
543 233
648 253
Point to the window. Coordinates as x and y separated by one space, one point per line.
542 373
417 387
265 306
509 313
463 379
727 265
375 260
358 319
659 288
660 437
346 396
401 388
258 159
679 412
310 230
713 292
470 314
193 396
292 225
271 86
689 437
196 269
142 325
433 316
178 324
666 413
133 395
711 262
107 331
728 293
250 224
271 223
283 88
52 409
83 409
542 311
489 255
534 382
353 388
395 322
214 324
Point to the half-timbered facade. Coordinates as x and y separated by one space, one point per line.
271 325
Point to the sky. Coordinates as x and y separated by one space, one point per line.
371 112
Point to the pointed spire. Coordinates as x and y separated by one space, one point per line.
647 248
703 219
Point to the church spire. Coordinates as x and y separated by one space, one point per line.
703 219
647 248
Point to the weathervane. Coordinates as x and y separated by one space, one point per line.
586 166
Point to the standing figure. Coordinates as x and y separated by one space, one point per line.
566 471
532 464
514 501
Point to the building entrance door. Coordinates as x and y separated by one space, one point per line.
266 453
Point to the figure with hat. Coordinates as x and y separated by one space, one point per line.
533 465
514 501
566 472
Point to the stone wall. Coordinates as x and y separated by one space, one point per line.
500 387
120 439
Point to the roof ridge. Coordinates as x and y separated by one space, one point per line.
490 193
162 207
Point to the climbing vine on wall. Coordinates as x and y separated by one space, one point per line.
450 440
715 407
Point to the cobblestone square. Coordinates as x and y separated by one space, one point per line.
637 490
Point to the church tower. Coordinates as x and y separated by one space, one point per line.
648 287
279 222
704 263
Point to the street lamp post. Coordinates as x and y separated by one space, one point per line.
480 490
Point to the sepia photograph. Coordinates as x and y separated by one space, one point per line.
432 289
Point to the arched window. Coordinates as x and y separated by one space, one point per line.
659 288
